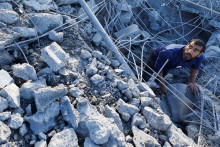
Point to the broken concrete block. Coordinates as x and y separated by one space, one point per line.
92 5
12 94
3 104
115 63
24 71
5 78
67 137
97 39
69 113
23 129
96 79
15 121
146 101
54 56
138 121
91 71
8 16
133 87
50 21
25 32
142 139
5 133
86 54
45 96
4 116
76 92
100 129
128 33
111 113
41 143
157 121
126 109
44 121
88 143
56 36
178 138
39 6
122 85
7 6
27 89
42 136
7 37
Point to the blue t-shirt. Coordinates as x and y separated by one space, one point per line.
174 52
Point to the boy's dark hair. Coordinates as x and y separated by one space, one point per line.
199 42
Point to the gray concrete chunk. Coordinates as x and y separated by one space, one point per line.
88 143
56 36
24 71
25 32
76 92
44 121
50 21
45 96
5 133
157 121
138 121
7 6
122 85
54 56
133 87
141 139
126 109
3 104
27 89
15 121
69 113
5 115
23 129
12 94
8 16
67 137
111 113
96 79
5 78
85 54
146 101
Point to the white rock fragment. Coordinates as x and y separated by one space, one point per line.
12 94
23 129
5 115
88 143
5 78
157 121
86 54
5 133
96 79
54 56
41 143
8 16
16 121
24 71
56 36
67 137
141 139
126 110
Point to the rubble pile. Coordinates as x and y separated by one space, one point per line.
62 87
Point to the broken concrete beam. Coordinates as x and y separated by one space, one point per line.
12 94
67 137
44 121
47 95
157 121
131 31
5 133
24 71
25 32
69 113
54 56
5 78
